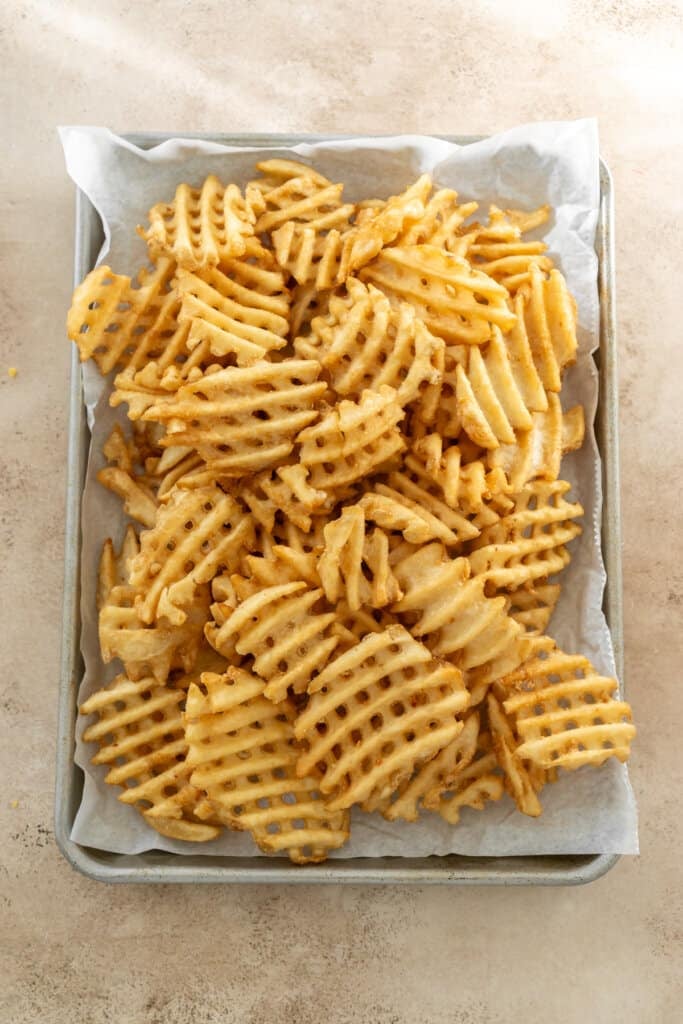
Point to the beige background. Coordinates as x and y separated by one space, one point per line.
72 950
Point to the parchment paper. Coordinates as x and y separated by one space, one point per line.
589 811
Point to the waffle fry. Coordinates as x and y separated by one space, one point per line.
529 542
449 608
532 606
201 227
145 650
538 452
119 322
375 714
363 343
456 302
281 629
346 455
242 753
352 440
434 777
354 566
242 420
475 786
565 713
141 739
238 311
196 534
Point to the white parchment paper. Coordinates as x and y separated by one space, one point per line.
589 811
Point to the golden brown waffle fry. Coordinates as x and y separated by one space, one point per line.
491 406
440 223
532 606
528 543
243 419
470 488
394 511
434 777
474 786
550 321
145 650
138 501
426 501
376 713
239 310
355 565
522 781
243 755
307 304
538 452
283 490
451 610
197 533
303 199
498 249
201 227
565 713
364 343
119 322
282 628
141 739
456 302
352 440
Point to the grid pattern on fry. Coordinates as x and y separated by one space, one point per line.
344 469
242 753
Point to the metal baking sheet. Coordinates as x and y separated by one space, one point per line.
162 867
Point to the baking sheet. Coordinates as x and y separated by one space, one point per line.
587 812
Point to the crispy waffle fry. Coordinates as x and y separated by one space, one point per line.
529 542
196 534
305 198
238 310
433 777
456 302
565 713
550 321
376 713
352 440
470 488
440 223
522 781
533 605
355 565
283 490
138 502
450 609
364 343
490 405
243 419
498 249
145 650
474 786
242 753
201 227
427 503
141 739
538 452
119 322
394 511
283 630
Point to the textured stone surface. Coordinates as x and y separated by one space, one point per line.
72 950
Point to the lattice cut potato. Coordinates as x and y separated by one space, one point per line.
354 565
285 630
201 227
144 649
242 753
565 714
376 713
198 533
352 439
141 739
119 322
243 419
239 310
456 302
363 342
